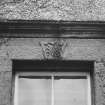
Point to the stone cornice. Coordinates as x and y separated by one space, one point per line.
51 28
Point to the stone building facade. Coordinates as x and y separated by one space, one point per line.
90 49
77 49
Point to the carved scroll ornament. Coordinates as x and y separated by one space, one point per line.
53 50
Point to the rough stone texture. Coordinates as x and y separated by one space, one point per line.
53 9
29 48
5 88
100 82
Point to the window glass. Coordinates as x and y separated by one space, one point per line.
52 89
34 91
70 92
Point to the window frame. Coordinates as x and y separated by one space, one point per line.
52 75
88 65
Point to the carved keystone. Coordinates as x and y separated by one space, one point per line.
53 50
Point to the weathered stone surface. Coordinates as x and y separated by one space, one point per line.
29 48
53 9
100 82
85 49
5 64
5 88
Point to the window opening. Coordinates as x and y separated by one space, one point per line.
52 88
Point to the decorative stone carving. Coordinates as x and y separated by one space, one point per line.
53 50
4 40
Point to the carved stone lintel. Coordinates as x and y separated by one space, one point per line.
53 50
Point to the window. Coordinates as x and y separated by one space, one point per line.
53 88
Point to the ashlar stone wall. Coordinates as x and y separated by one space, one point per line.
29 48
